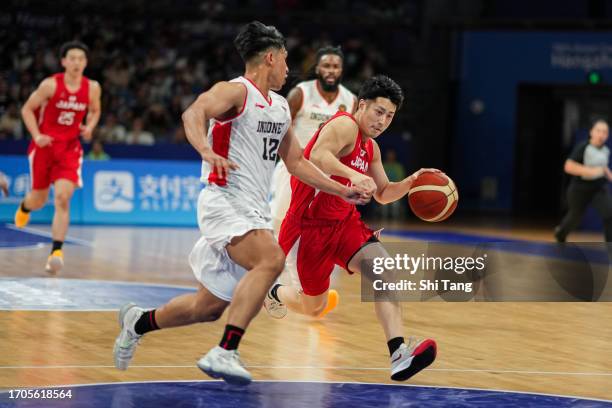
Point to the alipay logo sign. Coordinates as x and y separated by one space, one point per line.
114 191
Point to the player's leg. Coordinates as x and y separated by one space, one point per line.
36 199
578 198
602 201
406 359
63 191
40 176
259 254
309 264
183 310
298 302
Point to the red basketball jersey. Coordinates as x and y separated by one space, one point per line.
61 116
307 202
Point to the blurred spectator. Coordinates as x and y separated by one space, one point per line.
179 136
158 121
137 135
395 172
154 66
97 151
10 123
111 131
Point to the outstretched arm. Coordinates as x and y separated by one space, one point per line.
388 191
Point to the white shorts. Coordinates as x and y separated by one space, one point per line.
281 193
221 217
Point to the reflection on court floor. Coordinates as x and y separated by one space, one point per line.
339 361
281 394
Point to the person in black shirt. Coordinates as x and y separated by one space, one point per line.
588 163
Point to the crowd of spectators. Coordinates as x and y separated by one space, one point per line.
152 68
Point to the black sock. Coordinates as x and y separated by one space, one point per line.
23 208
273 291
231 337
57 245
146 323
394 344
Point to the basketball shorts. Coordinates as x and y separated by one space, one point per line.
315 246
221 217
59 160
281 192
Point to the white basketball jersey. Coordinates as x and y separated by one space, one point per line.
251 140
315 110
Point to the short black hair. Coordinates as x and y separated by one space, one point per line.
384 87
256 37
595 121
327 50
70 45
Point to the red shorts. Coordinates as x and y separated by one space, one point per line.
319 245
60 160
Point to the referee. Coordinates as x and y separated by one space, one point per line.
588 163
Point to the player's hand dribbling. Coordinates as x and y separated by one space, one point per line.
220 164
417 173
42 140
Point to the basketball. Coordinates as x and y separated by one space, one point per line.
433 197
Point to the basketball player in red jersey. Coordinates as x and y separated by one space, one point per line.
321 231
312 103
54 116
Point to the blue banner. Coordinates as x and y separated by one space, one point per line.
136 192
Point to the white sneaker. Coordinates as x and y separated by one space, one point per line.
274 308
409 359
226 364
126 342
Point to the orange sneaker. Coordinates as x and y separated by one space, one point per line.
55 262
21 218
333 298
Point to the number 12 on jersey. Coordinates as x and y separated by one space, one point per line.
270 147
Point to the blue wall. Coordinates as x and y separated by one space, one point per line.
137 192
492 64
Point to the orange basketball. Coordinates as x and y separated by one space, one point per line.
433 196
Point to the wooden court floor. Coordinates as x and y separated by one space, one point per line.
555 348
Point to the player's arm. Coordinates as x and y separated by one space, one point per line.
388 191
335 140
297 165
218 102
295 100
41 95
574 168
93 112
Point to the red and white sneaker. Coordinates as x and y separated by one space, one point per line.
409 359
